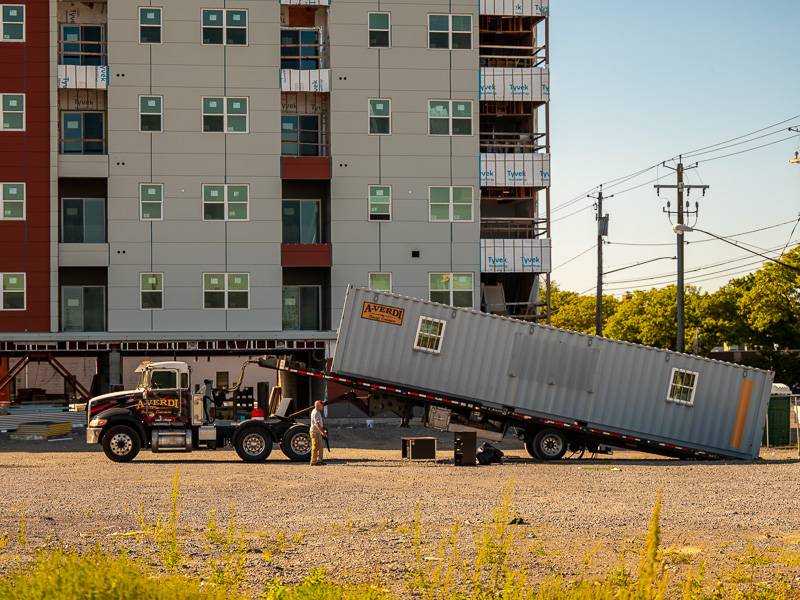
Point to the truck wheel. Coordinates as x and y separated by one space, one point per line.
121 443
529 446
296 443
254 444
550 444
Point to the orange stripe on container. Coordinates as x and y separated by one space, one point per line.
745 391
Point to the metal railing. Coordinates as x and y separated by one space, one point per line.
82 146
79 52
511 143
512 56
511 228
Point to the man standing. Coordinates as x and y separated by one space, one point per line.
317 433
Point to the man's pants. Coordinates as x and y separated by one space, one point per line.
316 447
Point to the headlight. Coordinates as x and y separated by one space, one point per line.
97 422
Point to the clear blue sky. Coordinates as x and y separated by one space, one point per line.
638 81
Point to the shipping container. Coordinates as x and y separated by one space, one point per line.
531 376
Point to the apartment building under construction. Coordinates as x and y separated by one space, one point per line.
201 178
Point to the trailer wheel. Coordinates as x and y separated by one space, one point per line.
530 447
550 444
253 444
121 443
296 443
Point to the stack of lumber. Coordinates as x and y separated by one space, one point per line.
41 430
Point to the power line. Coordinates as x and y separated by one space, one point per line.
709 239
577 256
713 158
740 137
747 141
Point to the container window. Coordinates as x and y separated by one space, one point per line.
682 387
430 333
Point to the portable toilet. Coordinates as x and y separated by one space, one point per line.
776 432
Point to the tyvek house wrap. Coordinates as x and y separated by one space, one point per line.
548 372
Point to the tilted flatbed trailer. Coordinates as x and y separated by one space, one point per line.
563 390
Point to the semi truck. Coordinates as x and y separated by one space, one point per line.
465 370
163 413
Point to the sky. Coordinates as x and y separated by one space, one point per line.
636 82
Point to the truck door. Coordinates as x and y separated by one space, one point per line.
163 397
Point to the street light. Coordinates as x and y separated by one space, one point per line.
680 228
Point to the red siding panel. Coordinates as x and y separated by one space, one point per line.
306 255
25 157
306 167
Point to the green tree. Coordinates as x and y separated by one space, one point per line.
576 312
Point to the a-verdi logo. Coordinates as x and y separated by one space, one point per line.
382 313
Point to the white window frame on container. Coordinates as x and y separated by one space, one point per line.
224 26
371 116
7 188
381 274
5 21
387 29
159 277
434 339
451 290
226 114
453 214
681 390
157 10
372 196
450 32
143 200
5 282
149 113
226 200
7 108
450 119
226 290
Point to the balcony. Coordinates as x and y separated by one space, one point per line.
529 84
307 255
304 60
515 8
316 81
515 255
515 169
304 148
82 57
306 2
83 255
83 77
511 143
511 228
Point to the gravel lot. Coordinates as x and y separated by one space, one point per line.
352 515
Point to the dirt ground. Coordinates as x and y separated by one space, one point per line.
354 515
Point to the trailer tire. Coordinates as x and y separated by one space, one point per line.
253 444
550 444
296 443
121 443
530 447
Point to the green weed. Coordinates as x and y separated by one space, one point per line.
227 572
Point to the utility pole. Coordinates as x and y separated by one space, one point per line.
680 214
602 230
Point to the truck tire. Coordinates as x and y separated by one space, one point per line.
121 443
550 444
529 446
296 443
253 444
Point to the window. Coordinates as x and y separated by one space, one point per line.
380 203
13 109
379 30
151 201
12 291
226 290
222 380
83 220
150 113
450 32
454 289
83 308
380 282
301 308
151 288
149 25
225 202
83 133
225 26
300 49
450 203
163 380
300 135
12 23
301 222
83 45
430 333
380 116
682 387
450 117
225 114
12 201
